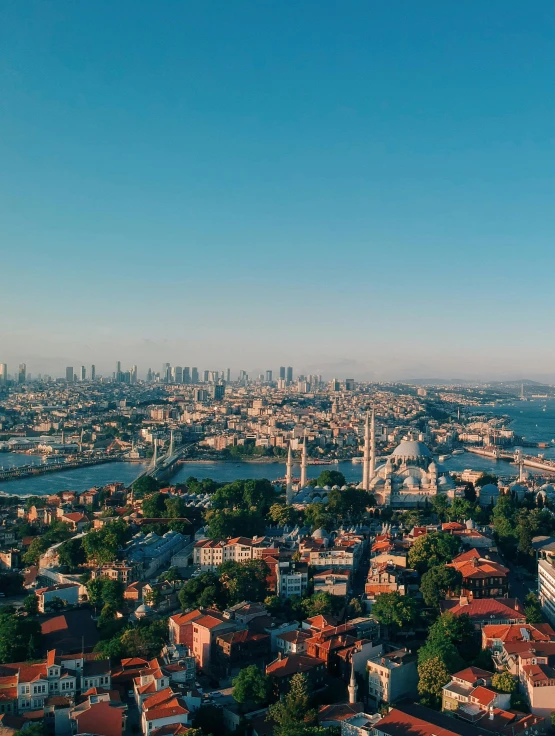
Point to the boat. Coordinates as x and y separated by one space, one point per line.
458 452
443 458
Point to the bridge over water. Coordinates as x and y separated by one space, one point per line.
517 457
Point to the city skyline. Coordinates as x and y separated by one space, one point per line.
366 192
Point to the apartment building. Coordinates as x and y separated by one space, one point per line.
393 676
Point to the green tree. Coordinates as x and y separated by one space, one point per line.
31 604
533 609
433 549
485 479
154 506
440 506
145 486
322 603
395 610
504 682
244 581
452 639
203 591
433 675
437 582
331 478
350 505
224 523
293 712
71 553
33 729
283 515
18 635
251 686
461 510
101 546
317 516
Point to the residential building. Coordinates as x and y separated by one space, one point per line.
393 676
546 587
101 713
164 708
68 593
483 611
206 630
481 577
282 669
291 578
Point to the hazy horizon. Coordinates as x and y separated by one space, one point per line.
361 190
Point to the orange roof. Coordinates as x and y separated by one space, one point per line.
185 618
209 622
482 695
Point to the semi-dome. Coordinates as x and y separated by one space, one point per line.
411 481
411 448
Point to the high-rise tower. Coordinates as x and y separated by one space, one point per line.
372 467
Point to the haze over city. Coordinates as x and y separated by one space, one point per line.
360 191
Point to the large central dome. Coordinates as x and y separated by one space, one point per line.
411 448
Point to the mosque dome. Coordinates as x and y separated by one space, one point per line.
411 448
488 494
320 534
411 481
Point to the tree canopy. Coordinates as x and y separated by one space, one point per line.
251 686
433 549
435 584
395 610
330 478
433 675
244 581
292 713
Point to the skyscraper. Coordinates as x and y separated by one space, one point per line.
186 375
83 373
228 375
289 375
149 375
194 375
69 374
217 391
166 376
3 374
178 374
134 374
22 373
282 372
93 372
268 376
206 376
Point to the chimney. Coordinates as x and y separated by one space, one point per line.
491 712
463 600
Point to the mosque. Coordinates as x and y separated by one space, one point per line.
407 479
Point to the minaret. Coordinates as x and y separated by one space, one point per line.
366 458
372 464
352 685
289 479
304 460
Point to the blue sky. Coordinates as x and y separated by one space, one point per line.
358 188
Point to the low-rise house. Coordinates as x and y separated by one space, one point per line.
481 577
206 630
282 669
101 713
293 642
334 582
181 627
412 718
469 695
28 686
291 578
392 677
238 649
68 593
164 708
483 611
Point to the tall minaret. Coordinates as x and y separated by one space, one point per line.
289 479
372 464
304 460
366 458
352 685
